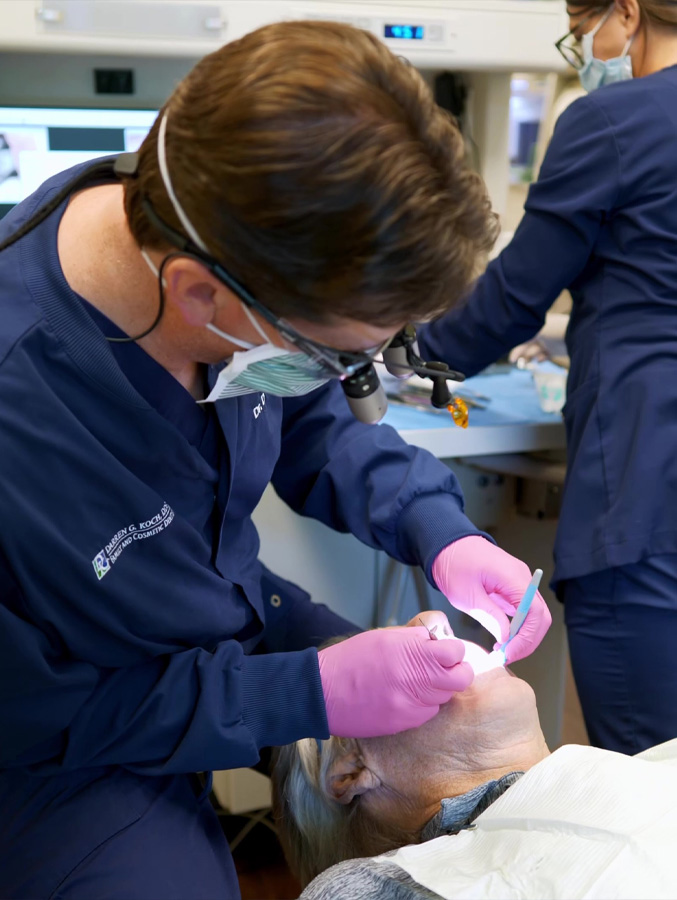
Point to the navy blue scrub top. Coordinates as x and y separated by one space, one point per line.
602 221
137 626
197 422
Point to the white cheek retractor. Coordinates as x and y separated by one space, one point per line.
477 658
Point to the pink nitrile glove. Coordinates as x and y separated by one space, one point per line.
487 583
389 680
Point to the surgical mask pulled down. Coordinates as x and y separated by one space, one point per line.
597 73
266 368
263 368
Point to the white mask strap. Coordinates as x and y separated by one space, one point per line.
238 341
601 22
149 262
229 337
597 27
164 172
629 44
250 316
151 265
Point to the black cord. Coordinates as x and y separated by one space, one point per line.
103 171
161 307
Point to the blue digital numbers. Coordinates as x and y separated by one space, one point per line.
405 32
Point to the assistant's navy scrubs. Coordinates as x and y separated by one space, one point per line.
602 221
138 641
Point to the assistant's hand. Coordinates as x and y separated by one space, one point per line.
389 680
487 583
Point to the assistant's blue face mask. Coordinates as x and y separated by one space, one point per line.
597 73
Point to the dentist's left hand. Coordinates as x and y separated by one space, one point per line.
389 680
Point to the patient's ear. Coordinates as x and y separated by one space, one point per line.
348 777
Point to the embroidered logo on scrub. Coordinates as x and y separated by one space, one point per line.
109 555
258 409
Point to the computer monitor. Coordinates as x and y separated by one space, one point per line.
37 142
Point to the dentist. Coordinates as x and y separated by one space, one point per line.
146 401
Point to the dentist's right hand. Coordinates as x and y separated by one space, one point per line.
388 680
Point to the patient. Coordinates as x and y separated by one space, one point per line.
353 798
468 818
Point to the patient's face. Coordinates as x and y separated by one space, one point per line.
484 732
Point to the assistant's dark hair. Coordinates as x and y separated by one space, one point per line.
657 13
316 166
577 9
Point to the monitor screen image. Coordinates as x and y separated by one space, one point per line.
38 142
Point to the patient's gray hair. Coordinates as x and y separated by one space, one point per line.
314 829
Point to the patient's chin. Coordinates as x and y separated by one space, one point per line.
489 686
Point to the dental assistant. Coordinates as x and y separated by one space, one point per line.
147 398
602 221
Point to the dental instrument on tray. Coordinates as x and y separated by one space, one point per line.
413 393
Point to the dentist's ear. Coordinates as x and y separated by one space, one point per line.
348 777
190 287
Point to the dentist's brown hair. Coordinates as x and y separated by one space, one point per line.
318 169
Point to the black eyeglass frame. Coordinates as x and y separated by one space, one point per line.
561 48
336 363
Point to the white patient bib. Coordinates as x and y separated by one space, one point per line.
582 823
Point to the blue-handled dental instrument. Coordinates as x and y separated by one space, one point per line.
524 607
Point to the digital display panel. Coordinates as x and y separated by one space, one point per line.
405 32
